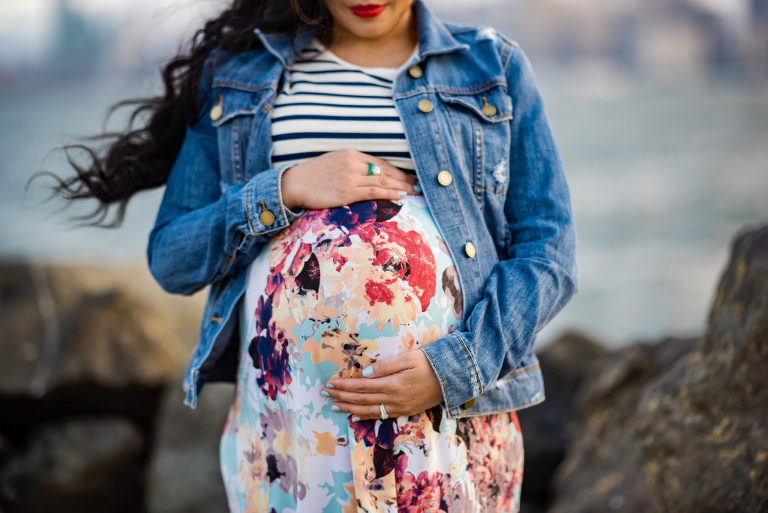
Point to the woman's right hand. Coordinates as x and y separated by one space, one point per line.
338 178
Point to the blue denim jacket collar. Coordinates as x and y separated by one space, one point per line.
434 37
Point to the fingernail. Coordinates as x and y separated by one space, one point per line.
402 193
417 188
335 408
368 371
324 393
355 419
329 385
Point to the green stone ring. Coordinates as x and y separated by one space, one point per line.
373 169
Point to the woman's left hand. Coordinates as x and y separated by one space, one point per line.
405 384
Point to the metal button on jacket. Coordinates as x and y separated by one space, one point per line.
425 105
218 110
415 71
489 110
467 405
267 218
444 178
469 249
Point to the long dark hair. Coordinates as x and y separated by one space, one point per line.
141 157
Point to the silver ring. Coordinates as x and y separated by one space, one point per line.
373 169
383 412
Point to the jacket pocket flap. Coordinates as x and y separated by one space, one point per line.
492 105
229 103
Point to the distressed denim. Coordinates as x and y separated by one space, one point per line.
505 214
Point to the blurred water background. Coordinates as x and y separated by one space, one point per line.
659 108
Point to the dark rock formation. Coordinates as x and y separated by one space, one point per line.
602 470
85 357
184 472
78 465
58 332
680 425
565 363
703 425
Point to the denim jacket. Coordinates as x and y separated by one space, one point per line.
490 173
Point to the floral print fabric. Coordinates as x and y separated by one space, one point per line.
327 296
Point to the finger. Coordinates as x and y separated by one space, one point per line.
387 182
383 385
341 396
374 192
388 169
404 175
387 366
367 411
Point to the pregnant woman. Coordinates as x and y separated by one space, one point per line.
375 198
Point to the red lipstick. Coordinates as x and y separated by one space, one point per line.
367 10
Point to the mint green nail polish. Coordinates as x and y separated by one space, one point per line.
402 193
355 419
368 371
417 188
329 385
324 393
335 408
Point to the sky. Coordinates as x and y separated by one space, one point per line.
25 24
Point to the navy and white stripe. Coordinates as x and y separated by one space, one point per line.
329 104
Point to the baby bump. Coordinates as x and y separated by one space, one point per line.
342 287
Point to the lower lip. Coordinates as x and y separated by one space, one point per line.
365 11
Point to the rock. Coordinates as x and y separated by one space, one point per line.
86 340
58 332
602 469
703 426
564 364
184 472
77 465
81 343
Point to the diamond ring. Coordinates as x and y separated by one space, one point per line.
383 412
373 169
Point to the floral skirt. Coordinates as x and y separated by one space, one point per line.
327 296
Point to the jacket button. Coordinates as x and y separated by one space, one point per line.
488 109
425 106
415 71
267 218
469 249
218 110
468 404
444 178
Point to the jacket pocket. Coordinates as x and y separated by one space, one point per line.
233 114
483 117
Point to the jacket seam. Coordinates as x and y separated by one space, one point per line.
511 51
472 360
509 408
518 372
454 90
248 206
236 147
440 377
455 192
234 84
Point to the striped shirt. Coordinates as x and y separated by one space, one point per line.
329 104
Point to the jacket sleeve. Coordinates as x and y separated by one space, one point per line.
205 229
537 276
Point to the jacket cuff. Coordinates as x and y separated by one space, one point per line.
264 208
283 169
455 368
